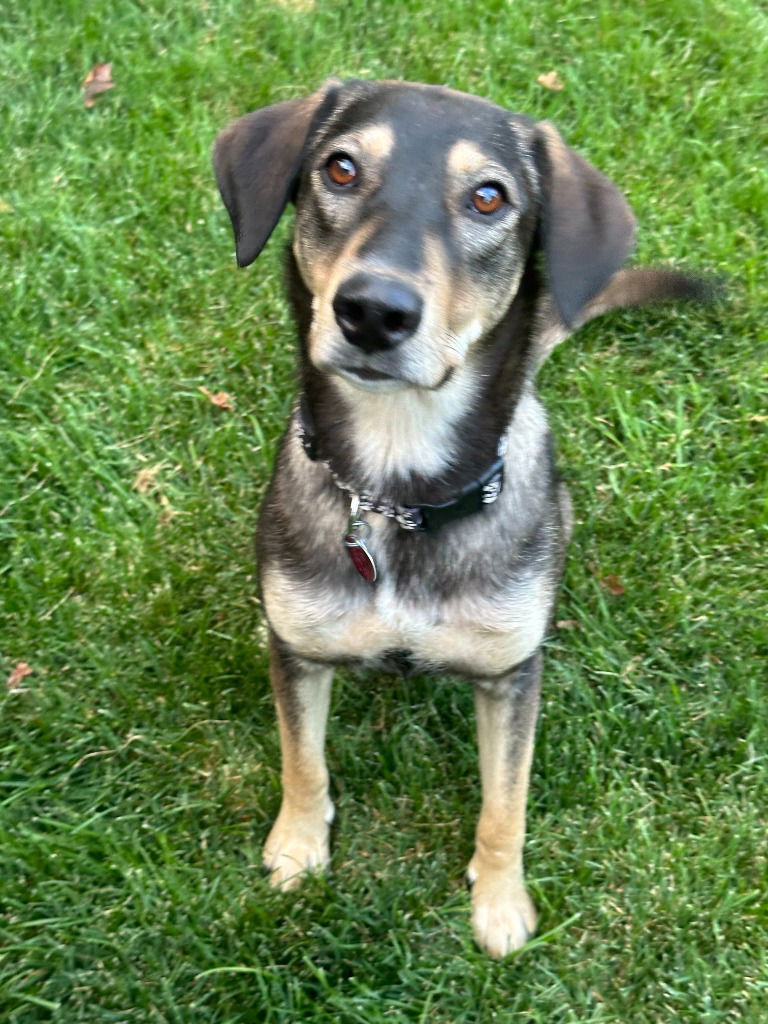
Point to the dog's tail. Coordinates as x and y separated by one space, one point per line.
634 286
642 286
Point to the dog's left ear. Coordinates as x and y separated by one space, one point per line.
588 228
257 162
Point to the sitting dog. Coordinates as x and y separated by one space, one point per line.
415 520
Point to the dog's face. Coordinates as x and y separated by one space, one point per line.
397 308
417 210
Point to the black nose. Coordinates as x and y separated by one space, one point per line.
376 313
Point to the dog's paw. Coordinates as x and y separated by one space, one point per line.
297 845
503 914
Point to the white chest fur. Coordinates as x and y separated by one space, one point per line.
472 633
481 629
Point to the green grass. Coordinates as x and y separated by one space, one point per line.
140 759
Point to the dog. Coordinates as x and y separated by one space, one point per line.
415 520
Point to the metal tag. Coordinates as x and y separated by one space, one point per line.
354 541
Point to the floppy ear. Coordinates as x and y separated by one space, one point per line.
587 226
257 162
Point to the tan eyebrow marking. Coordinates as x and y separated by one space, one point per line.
465 157
378 140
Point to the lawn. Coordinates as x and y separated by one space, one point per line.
138 757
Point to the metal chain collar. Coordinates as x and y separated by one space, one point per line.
408 517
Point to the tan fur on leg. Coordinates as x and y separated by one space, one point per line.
503 916
298 841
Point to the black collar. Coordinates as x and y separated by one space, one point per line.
476 496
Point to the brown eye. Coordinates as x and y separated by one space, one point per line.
488 198
341 169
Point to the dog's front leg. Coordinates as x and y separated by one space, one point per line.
298 841
503 916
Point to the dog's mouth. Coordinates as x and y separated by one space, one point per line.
369 378
367 373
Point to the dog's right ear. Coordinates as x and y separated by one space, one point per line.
257 162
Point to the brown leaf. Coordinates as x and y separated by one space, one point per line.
98 79
551 81
612 584
567 624
18 672
146 478
218 398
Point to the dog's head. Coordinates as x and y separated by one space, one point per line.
417 210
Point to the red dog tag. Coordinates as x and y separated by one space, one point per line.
354 542
360 557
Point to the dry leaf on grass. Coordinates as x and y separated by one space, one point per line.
146 478
612 584
218 398
609 582
567 624
551 81
18 672
98 79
